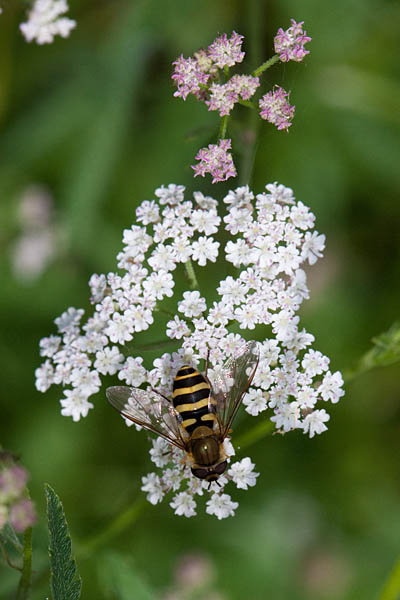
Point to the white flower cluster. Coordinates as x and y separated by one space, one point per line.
176 471
40 238
45 21
271 239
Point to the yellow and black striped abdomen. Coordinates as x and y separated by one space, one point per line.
191 398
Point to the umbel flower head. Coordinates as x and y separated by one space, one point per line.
217 160
289 44
259 291
276 109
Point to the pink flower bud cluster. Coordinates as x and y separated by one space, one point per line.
200 75
215 160
224 97
276 109
193 75
14 507
189 76
289 44
226 52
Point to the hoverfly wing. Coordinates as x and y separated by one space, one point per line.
150 410
232 382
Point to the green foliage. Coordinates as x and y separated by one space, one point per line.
7 534
65 581
8 538
24 586
121 580
385 351
391 590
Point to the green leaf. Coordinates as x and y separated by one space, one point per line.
8 535
386 351
391 589
65 582
121 580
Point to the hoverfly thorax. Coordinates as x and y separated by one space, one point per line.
205 448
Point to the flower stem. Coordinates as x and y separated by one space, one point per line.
116 526
247 104
268 63
194 285
223 127
26 575
249 141
136 350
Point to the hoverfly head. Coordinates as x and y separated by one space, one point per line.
210 473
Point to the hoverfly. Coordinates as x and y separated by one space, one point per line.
200 415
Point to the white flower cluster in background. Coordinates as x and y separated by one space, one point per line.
45 21
271 238
40 238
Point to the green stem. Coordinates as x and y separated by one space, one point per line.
223 127
253 435
134 350
116 526
268 63
26 575
247 104
250 144
194 285
250 131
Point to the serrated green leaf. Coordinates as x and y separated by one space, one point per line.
65 582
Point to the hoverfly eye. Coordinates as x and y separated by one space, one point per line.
219 469
200 473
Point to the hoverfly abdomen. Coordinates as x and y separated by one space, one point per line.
192 399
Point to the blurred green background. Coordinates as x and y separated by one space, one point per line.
93 120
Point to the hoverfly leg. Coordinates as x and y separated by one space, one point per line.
215 481
206 368
206 363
